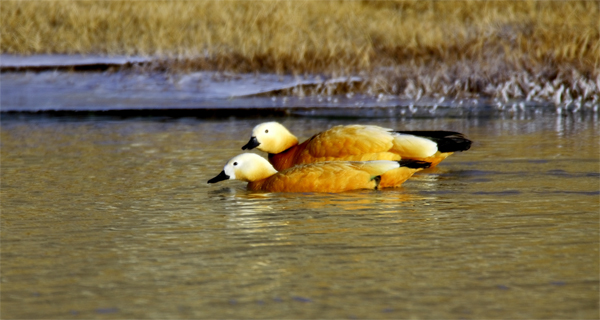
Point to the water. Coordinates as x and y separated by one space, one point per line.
112 218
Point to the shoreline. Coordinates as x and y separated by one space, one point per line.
505 53
63 84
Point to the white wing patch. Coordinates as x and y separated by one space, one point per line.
410 146
377 167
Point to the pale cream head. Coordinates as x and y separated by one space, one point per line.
273 137
248 167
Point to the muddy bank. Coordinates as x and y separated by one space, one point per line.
134 85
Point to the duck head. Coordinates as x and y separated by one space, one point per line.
271 137
247 167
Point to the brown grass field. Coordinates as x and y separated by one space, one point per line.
499 49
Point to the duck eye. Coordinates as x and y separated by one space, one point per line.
267 131
235 163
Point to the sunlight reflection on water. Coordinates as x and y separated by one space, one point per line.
114 217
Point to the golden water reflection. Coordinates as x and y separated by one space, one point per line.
114 219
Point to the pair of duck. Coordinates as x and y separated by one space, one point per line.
339 159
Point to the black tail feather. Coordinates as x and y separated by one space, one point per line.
447 141
414 164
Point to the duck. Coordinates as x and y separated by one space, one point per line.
355 143
330 176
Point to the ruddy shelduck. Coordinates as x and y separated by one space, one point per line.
334 176
355 143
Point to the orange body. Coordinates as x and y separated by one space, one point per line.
434 159
357 143
346 144
300 155
320 177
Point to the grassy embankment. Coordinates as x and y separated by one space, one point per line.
539 50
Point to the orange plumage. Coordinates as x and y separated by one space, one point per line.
318 177
315 177
357 143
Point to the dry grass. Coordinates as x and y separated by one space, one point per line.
443 47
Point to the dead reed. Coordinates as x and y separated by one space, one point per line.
501 49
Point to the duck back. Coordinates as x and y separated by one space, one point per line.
326 177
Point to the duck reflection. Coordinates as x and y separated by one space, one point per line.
277 236
244 202
271 214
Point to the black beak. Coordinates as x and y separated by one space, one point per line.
222 176
253 143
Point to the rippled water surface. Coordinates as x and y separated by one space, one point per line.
112 218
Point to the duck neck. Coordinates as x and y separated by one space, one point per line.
258 177
287 141
285 159
264 171
256 185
